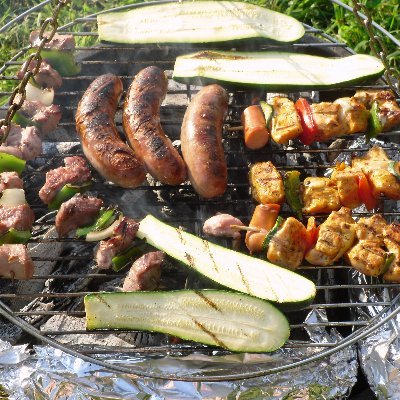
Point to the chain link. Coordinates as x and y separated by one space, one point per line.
18 96
377 46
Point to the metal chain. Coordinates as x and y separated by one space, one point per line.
16 102
377 46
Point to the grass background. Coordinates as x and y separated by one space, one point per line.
322 14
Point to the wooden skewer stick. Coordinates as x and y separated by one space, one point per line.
245 228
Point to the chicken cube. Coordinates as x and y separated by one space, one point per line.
266 183
375 166
354 114
346 181
371 228
336 235
286 123
320 195
288 245
392 242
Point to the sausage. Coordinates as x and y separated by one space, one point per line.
201 141
101 143
143 128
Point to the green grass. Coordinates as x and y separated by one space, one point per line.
322 14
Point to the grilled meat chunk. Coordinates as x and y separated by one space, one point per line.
371 228
266 183
288 245
367 257
375 166
45 118
336 235
327 117
392 241
220 225
78 211
15 262
367 97
46 77
24 143
10 180
285 123
346 181
75 171
124 234
320 195
353 114
145 272
19 217
58 42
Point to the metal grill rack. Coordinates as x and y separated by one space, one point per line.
180 206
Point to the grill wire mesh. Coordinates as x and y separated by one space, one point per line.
65 270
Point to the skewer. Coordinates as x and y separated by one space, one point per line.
245 228
234 128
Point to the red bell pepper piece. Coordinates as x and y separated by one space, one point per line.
310 128
311 233
365 192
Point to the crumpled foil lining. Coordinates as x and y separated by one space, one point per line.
379 354
52 374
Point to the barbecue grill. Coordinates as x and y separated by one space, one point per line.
71 273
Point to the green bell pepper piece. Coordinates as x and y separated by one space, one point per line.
14 236
9 162
374 122
65 193
292 192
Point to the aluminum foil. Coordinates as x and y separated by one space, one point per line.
52 374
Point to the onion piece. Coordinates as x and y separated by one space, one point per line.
34 93
13 197
104 234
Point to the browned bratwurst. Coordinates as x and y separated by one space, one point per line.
201 141
143 128
101 143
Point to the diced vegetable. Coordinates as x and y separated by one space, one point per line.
311 233
14 236
291 181
122 260
227 267
264 218
365 192
63 61
35 93
374 122
256 134
105 219
394 169
66 192
12 197
310 129
21 120
197 22
9 162
230 320
95 236
275 70
268 113
272 233
390 257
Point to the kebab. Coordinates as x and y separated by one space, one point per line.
371 111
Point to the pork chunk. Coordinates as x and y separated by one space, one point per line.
320 195
145 272
78 211
10 180
76 171
15 262
354 114
124 235
58 42
346 181
328 120
46 77
19 217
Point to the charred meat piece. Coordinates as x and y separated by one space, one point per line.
78 211
145 272
46 77
392 242
220 225
346 181
58 42
375 166
286 123
124 234
76 171
15 262
19 217
371 228
266 183
367 97
336 235
327 117
45 118
24 143
10 180
353 114
320 195
288 245
367 257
